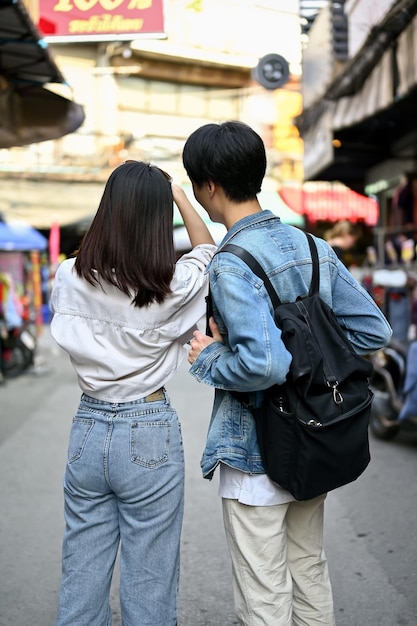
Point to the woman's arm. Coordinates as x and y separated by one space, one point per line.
196 228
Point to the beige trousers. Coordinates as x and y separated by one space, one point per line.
280 574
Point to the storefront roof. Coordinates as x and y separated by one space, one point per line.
368 112
330 202
29 111
24 55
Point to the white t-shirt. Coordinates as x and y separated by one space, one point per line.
251 489
121 352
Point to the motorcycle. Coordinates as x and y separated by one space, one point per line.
387 384
19 349
390 289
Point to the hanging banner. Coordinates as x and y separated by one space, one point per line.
100 20
54 243
37 287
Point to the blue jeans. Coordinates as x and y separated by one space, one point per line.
124 484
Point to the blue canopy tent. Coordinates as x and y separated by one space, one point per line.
19 237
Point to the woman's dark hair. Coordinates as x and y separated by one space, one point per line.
230 154
130 241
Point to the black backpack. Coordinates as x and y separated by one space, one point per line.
313 430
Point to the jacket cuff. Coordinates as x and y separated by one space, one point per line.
201 366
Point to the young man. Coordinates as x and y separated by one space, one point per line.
280 573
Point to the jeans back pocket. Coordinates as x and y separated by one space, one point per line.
149 443
80 431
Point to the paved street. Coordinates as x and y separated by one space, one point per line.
370 525
36 411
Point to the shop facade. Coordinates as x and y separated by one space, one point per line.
359 127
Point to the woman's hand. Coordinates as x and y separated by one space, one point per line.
200 341
196 228
179 194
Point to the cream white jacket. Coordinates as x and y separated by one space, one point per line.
121 352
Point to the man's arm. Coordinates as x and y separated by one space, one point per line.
253 356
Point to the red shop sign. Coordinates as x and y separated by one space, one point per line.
100 20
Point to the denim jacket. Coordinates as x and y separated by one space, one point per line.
253 356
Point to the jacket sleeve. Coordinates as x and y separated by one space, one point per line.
253 356
358 314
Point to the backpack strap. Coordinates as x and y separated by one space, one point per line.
258 270
315 277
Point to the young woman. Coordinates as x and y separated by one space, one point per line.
123 310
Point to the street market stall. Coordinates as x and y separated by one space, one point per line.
21 247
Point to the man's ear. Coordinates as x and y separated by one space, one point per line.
211 186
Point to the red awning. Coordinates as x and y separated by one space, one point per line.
330 201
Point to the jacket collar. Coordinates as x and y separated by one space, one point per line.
245 222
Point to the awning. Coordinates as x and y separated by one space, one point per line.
20 237
330 202
367 115
29 111
349 136
347 154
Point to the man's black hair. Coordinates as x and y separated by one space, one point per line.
231 155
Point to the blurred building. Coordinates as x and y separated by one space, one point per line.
145 85
358 122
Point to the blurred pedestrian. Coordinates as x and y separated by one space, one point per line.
4 333
11 319
124 310
407 201
280 572
342 237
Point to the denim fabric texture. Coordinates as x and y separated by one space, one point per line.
253 356
124 486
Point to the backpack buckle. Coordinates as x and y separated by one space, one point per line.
337 396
